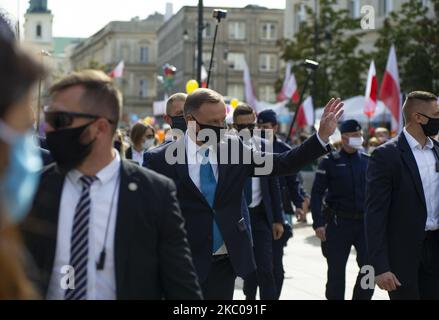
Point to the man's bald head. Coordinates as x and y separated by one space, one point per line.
420 102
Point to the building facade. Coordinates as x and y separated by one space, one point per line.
295 14
247 35
133 42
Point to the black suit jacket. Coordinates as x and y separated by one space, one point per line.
228 202
152 256
396 212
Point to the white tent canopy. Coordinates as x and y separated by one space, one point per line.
353 109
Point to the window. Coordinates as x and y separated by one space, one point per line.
384 7
267 93
237 30
236 91
236 60
299 16
268 62
354 8
143 92
268 31
144 55
39 31
207 30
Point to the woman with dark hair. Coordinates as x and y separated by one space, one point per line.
20 162
142 139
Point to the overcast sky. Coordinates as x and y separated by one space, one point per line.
83 18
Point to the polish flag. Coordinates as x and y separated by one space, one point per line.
306 114
250 96
118 71
281 96
204 77
291 91
390 92
371 92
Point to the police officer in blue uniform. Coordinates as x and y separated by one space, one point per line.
291 192
341 181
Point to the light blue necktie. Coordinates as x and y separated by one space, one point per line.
208 189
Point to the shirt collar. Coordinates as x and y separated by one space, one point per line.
414 144
105 175
193 151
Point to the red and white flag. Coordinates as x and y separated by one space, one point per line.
390 92
281 96
118 71
250 96
306 114
204 77
371 92
291 91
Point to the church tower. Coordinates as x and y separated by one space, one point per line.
38 25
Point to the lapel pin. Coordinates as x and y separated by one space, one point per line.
132 186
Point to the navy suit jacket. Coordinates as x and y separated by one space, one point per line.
228 202
395 213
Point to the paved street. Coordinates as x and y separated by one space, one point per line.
306 269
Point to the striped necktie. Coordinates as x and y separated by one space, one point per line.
79 242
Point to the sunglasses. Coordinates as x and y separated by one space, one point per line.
61 119
250 126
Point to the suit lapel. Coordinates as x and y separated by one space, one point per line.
410 161
221 174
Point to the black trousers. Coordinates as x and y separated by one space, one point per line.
427 285
263 250
341 235
220 283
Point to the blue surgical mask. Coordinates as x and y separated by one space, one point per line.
19 182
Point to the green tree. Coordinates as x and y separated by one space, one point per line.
414 30
341 61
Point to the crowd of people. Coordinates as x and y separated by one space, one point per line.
91 211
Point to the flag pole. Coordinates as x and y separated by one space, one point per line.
312 66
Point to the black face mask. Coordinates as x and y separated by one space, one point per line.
431 128
178 122
216 129
66 148
118 145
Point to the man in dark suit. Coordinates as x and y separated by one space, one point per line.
210 182
291 192
402 205
102 227
263 200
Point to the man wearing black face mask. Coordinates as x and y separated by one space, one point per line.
175 118
402 205
174 114
262 196
117 225
210 181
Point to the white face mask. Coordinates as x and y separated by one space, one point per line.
356 142
148 144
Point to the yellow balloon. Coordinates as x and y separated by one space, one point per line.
234 103
191 86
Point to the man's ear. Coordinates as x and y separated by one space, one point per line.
167 119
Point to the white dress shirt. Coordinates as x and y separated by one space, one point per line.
256 192
138 156
195 158
426 162
101 284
